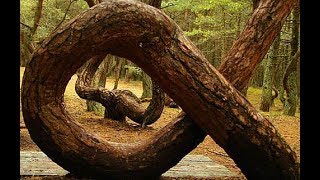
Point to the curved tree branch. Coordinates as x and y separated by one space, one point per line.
119 103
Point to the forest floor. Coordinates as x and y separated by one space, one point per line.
288 127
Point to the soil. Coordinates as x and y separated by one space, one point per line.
288 126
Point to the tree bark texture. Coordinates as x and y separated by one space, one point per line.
266 97
265 23
176 65
93 82
119 103
146 86
103 75
290 77
290 86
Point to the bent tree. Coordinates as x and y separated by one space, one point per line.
121 103
118 103
160 48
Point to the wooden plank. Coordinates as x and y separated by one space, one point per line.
197 166
34 163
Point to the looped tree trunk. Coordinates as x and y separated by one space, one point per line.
159 47
119 103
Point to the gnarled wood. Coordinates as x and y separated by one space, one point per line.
176 65
119 103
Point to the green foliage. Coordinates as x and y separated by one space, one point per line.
210 22
52 13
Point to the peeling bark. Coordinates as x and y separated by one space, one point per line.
176 65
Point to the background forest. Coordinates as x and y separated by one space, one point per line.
212 26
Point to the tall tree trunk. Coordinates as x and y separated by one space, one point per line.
146 86
146 80
104 71
117 71
26 49
99 80
290 77
257 77
172 59
281 72
290 86
255 4
266 97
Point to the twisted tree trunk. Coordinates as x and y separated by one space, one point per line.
93 82
169 58
119 103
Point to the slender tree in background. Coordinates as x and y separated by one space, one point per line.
146 86
26 39
98 80
37 17
266 97
117 71
290 77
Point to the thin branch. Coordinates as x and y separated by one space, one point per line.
169 5
25 25
37 17
65 14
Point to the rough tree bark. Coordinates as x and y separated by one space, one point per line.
147 83
119 103
99 78
266 97
93 82
169 58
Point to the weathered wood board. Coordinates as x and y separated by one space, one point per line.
34 163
